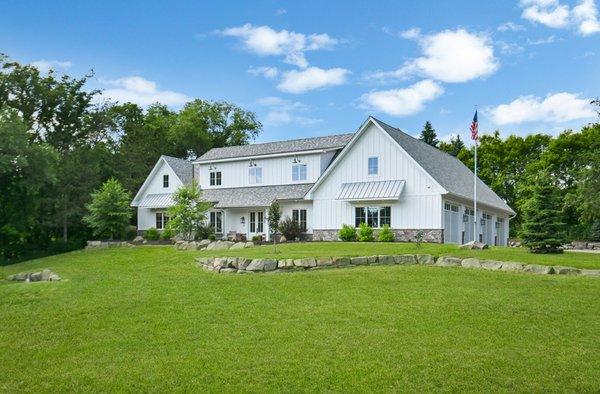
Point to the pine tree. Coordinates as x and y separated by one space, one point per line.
428 135
453 147
542 229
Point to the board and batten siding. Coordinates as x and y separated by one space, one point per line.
420 203
146 217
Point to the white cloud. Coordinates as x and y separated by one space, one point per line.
265 41
509 48
558 107
551 13
281 112
280 11
402 102
141 91
300 81
510 26
411 34
542 41
449 56
45 65
267 72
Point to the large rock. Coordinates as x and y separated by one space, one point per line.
211 246
358 261
282 239
448 261
512 266
243 263
324 262
262 265
20 277
491 265
223 245
220 262
249 245
285 264
561 270
470 263
372 259
204 261
138 240
586 272
35 277
579 245
406 259
538 269
385 259
192 246
341 261
238 245
305 263
203 243
228 271
425 259
476 245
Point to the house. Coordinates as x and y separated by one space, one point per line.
378 175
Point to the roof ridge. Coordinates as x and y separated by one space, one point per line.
279 141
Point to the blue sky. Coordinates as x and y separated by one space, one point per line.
315 68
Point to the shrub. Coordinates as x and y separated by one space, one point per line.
212 237
151 234
365 233
290 229
130 232
386 234
204 232
419 238
257 239
167 234
109 211
595 231
347 233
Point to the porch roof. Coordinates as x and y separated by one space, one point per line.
373 190
161 200
255 196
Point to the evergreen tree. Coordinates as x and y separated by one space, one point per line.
273 218
453 147
428 135
542 228
109 211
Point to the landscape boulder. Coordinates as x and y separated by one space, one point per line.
372 259
475 245
305 263
285 264
358 261
238 245
243 263
538 269
491 265
385 259
512 266
341 261
425 259
324 262
262 265
249 245
560 270
407 259
138 239
470 263
587 272
45 275
447 261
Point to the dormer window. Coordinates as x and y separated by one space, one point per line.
299 172
166 180
215 178
373 166
255 175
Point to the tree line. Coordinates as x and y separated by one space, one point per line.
60 140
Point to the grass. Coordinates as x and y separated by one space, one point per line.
323 249
148 319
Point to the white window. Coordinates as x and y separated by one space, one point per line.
216 221
166 180
299 172
257 222
450 207
375 217
373 165
215 178
299 216
255 175
162 219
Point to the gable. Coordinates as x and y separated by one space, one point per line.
154 182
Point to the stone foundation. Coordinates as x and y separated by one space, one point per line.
401 235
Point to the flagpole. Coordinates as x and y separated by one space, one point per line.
475 232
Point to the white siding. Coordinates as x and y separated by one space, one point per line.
288 207
146 217
419 206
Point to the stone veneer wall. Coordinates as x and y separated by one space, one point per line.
403 235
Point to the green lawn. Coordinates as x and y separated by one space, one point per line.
332 249
148 319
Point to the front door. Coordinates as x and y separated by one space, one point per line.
256 223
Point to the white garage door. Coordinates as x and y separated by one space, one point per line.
487 229
469 225
451 223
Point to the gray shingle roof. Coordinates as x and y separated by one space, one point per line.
446 169
255 196
183 168
305 144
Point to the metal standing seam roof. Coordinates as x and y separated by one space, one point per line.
161 200
446 169
306 144
374 190
255 196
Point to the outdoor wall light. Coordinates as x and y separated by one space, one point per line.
252 163
465 218
243 220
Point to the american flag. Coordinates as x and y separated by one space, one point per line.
475 128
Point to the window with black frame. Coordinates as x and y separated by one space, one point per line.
375 217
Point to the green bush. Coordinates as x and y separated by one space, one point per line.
167 234
365 233
204 232
347 233
386 234
290 229
595 231
130 232
212 237
151 234
257 239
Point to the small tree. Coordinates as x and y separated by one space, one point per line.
542 229
274 215
188 214
109 212
428 135
290 228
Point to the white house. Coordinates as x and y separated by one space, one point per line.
377 175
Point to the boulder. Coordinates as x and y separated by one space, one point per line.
223 245
406 259
476 245
138 240
594 245
341 261
358 261
21 277
538 269
285 264
232 262
211 245
191 246
512 267
262 265
245 272
561 270
238 245
324 262
204 260
243 263
385 259
54 277
46 274
35 276
586 272
579 245
305 263
491 265
203 243
228 271
470 263
448 261
282 239
249 245
372 259
220 262
425 259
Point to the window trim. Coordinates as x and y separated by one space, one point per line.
297 217
165 181
252 178
376 166
213 222
164 220
378 209
215 178
299 166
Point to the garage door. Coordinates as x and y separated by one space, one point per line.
469 222
451 223
487 229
